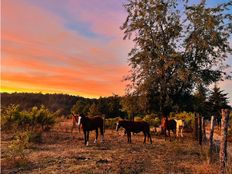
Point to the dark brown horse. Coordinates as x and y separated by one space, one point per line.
135 127
89 124
168 125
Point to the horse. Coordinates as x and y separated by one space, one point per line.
74 122
169 125
89 124
179 127
135 127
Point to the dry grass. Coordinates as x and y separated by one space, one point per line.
60 153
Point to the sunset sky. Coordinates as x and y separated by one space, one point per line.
66 46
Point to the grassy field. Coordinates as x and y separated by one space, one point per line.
64 152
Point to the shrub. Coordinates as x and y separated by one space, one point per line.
153 120
111 122
34 137
137 118
16 151
10 117
41 117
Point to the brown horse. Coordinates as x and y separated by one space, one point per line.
168 125
135 127
74 122
89 124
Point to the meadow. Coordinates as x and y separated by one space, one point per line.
63 151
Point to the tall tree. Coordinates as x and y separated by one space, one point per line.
94 110
167 59
200 100
130 106
217 100
207 41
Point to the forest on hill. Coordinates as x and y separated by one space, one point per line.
202 101
64 103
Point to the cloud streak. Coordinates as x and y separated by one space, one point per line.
72 46
42 53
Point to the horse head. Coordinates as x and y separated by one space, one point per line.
81 117
118 125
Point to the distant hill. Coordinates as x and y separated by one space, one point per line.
53 102
109 106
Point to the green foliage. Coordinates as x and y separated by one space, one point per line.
17 150
200 97
108 106
111 122
94 110
130 105
153 120
13 118
175 53
81 107
10 116
53 102
217 101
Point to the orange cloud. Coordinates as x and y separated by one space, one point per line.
41 55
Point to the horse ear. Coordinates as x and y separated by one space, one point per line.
73 114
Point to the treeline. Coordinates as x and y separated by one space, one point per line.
203 101
64 104
53 102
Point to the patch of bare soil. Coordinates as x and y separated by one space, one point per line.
64 152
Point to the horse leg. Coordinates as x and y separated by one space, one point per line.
102 134
177 133
87 137
95 141
144 141
169 134
149 137
128 136
165 133
181 132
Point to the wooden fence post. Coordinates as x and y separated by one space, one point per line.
211 139
223 145
199 130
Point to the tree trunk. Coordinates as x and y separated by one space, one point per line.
195 127
199 130
203 130
211 139
223 145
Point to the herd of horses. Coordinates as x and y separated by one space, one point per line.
97 122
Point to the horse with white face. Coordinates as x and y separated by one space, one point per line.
89 124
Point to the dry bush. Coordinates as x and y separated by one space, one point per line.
111 122
17 150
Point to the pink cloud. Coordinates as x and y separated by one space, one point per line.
36 42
